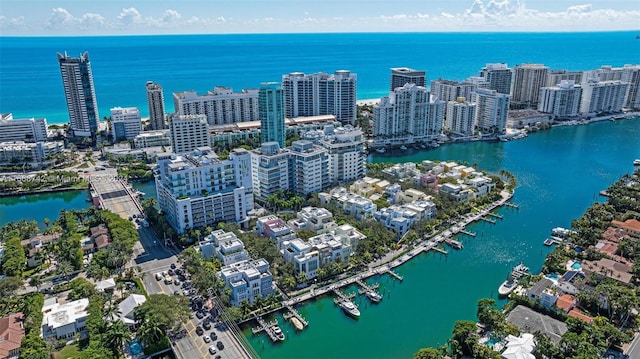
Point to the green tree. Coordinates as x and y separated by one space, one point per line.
427 353
14 260
464 338
158 314
117 335
81 288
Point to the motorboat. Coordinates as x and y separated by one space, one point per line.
297 323
520 270
548 242
636 162
374 296
403 147
350 308
380 150
278 332
454 244
507 286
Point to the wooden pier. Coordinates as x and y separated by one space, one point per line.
395 275
263 326
365 287
464 231
512 205
293 313
492 221
495 215
342 297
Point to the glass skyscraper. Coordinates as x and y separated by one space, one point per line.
80 94
271 110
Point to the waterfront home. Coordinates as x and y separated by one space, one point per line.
359 207
630 227
35 245
64 321
528 320
608 268
305 259
539 293
272 226
99 239
519 347
107 285
570 281
11 334
456 192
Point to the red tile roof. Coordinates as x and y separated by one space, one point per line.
11 333
566 302
576 313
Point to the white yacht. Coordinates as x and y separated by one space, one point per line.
507 286
403 147
278 332
350 308
636 162
374 296
380 150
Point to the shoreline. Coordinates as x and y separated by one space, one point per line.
42 191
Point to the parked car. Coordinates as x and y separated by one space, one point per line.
173 266
206 339
220 345
206 325
199 330
168 280
159 276
200 314
213 336
212 350
170 272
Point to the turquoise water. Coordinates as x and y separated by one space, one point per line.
576 265
122 65
40 206
135 347
553 276
560 173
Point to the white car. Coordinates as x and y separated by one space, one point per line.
159 276
168 280
212 350
206 339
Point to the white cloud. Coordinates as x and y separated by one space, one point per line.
129 16
12 22
90 20
61 18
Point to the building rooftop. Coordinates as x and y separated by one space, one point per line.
59 315
531 321
11 333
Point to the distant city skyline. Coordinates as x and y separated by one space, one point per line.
145 17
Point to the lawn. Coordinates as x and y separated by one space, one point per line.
68 351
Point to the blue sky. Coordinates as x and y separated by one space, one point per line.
128 17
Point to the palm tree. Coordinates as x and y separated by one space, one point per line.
117 334
110 311
120 287
46 222
150 331
65 269
35 281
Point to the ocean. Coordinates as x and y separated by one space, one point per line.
30 84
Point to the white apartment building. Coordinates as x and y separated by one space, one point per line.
492 109
225 246
248 280
64 321
301 254
269 170
23 129
274 227
554 77
315 219
155 99
309 166
152 139
198 189
448 90
405 117
220 107
561 100
603 96
188 132
345 146
499 76
627 73
528 79
126 123
21 152
320 94
460 117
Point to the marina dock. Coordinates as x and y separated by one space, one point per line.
293 313
512 205
464 231
492 221
495 215
365 287
263 326
440 250
342 297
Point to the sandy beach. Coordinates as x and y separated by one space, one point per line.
371 101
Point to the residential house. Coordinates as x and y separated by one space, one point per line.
566 302
315 219
11 334
224 246
64 321
107 285
248 280
630 227
35 246
609 268
126 309
537 292
98 240
576 313
520 347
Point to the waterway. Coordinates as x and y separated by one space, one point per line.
559 172
40 206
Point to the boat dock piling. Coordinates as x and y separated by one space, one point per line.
464 231
263 326
495 215
293 313
440 250
342 297
366 288
395 275
512 205
492 221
